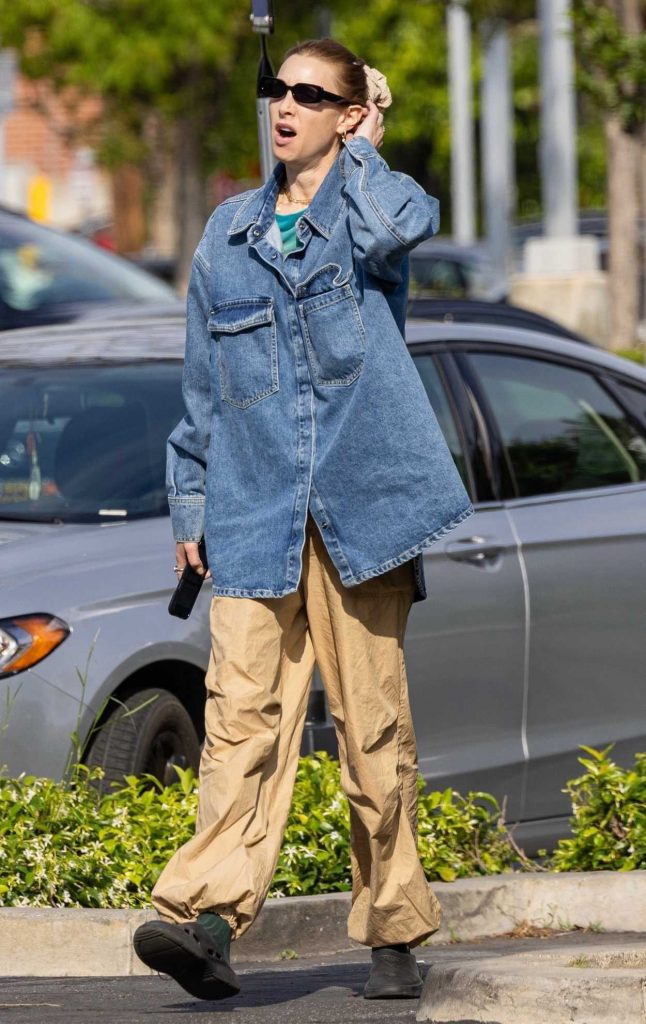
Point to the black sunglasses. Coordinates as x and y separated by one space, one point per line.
302 92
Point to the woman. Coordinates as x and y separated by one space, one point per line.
312 462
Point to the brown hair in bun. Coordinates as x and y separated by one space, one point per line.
349 69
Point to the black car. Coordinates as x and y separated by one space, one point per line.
466 311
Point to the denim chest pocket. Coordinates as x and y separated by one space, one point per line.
244 331
334 336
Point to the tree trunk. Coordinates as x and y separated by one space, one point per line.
161 175
128 204
191 197
642 236
623 210
624 201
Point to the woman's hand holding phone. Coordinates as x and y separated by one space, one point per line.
191 571
189 553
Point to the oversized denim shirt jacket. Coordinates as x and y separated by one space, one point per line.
300 392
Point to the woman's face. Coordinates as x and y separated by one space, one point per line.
318 126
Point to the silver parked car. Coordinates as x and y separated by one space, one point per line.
531 641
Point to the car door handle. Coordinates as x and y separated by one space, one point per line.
473 549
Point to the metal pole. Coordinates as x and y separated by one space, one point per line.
558 120
498 177
461 105
267 158
262 21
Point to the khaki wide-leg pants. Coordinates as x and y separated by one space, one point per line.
262 658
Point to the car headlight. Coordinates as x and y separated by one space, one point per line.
27 639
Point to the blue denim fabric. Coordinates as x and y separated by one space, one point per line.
300 392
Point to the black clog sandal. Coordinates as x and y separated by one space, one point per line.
189 955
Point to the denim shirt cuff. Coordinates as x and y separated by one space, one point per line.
361 147
187 518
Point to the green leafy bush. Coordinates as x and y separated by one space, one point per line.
66 845
460 836
315 855
609 819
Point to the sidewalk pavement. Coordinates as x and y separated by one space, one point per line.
591 978
470 980
98 943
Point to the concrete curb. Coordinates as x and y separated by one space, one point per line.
552 987
98 943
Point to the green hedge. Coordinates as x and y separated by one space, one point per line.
609 817
65 845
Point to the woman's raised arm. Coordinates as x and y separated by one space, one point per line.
389 212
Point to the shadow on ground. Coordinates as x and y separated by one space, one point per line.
306 992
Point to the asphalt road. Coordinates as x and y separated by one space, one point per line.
311 990
322 990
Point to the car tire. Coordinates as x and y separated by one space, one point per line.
147 733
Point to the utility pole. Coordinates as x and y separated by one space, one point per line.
497 146
461 112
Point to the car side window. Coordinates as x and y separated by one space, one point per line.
634 396
40 268
438 398
437 275
561 429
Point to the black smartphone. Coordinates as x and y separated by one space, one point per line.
185 593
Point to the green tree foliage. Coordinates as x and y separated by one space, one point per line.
514 12
195 64
408 44
612 63
172 58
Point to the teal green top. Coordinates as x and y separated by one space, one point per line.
287 224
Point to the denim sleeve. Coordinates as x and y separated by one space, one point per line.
389 212
187 446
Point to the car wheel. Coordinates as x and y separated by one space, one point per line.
147 733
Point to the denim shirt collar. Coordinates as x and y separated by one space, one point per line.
322 213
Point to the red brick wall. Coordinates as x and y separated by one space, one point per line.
42 130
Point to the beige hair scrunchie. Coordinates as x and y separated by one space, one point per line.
378 90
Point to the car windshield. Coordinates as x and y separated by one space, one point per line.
86 443
41 268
